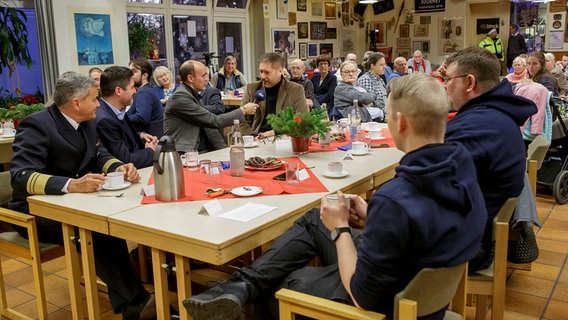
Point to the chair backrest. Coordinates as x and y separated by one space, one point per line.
537 149
506 211
432 289
5 188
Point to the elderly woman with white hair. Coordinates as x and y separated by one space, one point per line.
519 69
165 84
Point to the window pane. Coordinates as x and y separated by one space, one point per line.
191 38
229 41
146 37
146 1
190 2
240 4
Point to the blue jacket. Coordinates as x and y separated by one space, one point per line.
147 112
431 214
488 127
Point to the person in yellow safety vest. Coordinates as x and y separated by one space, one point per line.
493 44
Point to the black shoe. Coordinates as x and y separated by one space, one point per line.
222 302
144 311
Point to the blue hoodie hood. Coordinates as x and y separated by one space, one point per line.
445 175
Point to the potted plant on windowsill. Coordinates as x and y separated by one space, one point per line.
299 126
15 109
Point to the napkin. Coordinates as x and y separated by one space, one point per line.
247 212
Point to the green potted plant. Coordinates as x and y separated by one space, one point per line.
299 126
13 38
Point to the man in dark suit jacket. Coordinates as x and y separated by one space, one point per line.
324 82
280 94
186 117
56 152
116 131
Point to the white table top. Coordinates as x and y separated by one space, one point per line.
178 227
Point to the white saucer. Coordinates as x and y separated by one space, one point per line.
241 192
126 184
252 145
379 138
329 174
359 153
8 135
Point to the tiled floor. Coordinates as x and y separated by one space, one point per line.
541 293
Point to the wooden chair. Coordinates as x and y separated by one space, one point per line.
535 156
492 281
36 252
429 291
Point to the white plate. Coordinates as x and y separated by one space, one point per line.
8 135
359 153
242 192
335 175
252 145
126 184
379 138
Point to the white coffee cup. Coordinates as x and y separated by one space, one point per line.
360 147
248 140
115 179
335 167
375 134
333 199
373 126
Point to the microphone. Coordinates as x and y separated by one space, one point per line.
259 96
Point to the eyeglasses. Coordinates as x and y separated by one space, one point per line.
452 78
349 72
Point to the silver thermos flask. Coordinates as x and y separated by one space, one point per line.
168 171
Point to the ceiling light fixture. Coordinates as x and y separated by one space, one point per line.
367 1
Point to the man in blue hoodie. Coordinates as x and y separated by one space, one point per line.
431 214
487 124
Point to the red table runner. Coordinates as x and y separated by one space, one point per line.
196 183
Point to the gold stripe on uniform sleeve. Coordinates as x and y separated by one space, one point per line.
37 183
108 164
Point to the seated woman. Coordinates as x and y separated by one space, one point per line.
519 69
348 90
165 85
372 80
538 73
324 82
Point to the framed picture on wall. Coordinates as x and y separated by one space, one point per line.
312 50
301 5
284 40
317 10
281 10
303 50
404 30
93 50
417 45
326 48
330 10
331 33
425 19
303 32
421 30
403 43
425 47
318 30
378 33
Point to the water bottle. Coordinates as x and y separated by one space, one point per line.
354 120
237 151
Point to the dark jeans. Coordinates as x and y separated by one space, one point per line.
112 263
283 265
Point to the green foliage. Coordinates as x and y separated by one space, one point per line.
20 110
13 38
299 124
140 37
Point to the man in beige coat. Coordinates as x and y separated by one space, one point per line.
280 94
